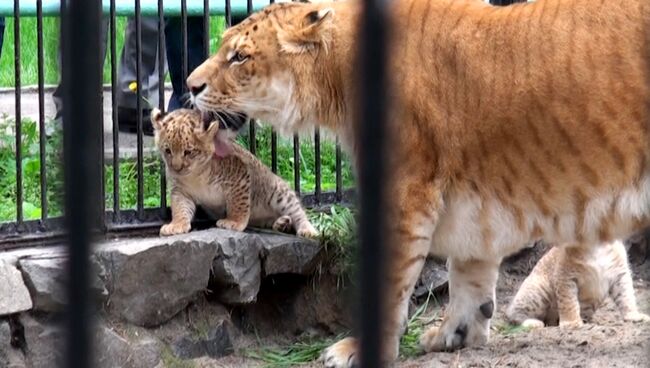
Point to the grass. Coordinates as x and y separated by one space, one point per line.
307 351
300 352
170 361
507 329
51 26
31 166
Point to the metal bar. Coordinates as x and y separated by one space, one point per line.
296 164
274 151
51 8
317 164
228 14
161 97
206 29
138 106
372 174
116 131
339 179
42 137
82 152
19 133
184 38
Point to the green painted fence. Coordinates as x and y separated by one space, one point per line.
127 7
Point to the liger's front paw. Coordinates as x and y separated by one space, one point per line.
283 224
342 354
571 324
636 317
453 335
174 228
308 231
231 225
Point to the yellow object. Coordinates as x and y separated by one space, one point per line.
133 86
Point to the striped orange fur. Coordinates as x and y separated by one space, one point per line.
509 124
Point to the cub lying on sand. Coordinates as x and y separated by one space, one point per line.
569 283
208 170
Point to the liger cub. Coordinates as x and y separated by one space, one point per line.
569 283
205 168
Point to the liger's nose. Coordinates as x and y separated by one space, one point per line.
196 89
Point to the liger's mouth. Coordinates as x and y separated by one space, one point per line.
226 120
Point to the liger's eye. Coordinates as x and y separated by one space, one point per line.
187 152
237 57
168 151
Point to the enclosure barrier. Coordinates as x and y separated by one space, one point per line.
115 219
83 148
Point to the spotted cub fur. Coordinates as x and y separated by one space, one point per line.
569 283
202 174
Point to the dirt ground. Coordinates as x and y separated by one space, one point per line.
606 342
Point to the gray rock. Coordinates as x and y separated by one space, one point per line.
288 254
114 351
14 296
237 270
217 343
43 339
45 277
150 280
434 277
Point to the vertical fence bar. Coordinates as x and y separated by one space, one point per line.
317 165
206 29
18 132
228 14
161 98
339 179
82 152
42 137
274 141
252 140
184 38
116 131
296 164
138 107
372 172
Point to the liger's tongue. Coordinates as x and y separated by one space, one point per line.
222 145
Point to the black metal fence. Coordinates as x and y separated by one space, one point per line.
115 218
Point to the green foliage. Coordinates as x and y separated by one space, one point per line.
410 343
508 329
300 352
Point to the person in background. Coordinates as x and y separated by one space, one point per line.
126 75
2 33
195 53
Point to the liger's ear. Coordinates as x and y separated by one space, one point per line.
157 118
212 130
310 30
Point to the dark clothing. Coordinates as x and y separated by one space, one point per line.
2 33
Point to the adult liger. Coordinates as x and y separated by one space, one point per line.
510 124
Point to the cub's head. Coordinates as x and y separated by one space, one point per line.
185 141
267 66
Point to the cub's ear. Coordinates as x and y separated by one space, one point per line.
157 118
310 30
212 130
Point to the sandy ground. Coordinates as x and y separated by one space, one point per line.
606 342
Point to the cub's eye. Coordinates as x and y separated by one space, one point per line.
237 57
187 152
168 151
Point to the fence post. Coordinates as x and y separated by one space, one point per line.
372 172
83 155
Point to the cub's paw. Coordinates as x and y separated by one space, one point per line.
342 354
231 225
308 231
571 324
532 323
174 228
636 317
283 224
